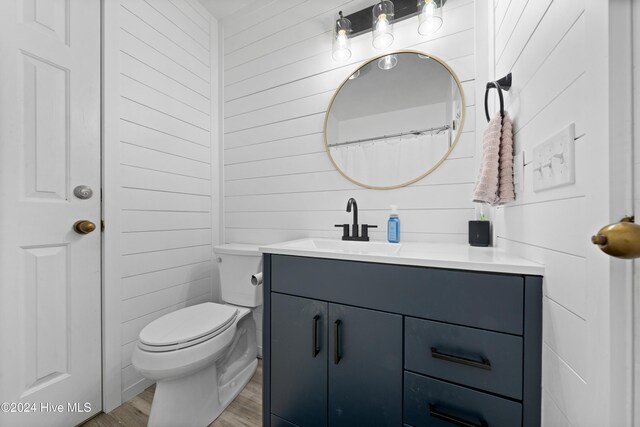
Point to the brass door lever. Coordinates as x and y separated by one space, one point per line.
621 240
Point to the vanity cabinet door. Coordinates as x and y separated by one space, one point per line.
299 360
365 367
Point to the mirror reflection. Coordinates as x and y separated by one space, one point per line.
394 120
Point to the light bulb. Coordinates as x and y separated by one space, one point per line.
342 39
382 36
341 52
429 8
341 43
387 62
429 18
382 24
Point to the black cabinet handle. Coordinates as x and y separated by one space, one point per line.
453 419
336 341
314 332
482 364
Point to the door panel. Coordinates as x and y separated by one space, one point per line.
49 15
365 385
298 367
49 275
45 145
46 314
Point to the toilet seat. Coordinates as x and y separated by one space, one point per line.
187 327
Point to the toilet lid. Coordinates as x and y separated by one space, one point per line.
188 324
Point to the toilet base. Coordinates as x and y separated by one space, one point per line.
196 400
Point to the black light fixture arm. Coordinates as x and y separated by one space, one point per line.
501 84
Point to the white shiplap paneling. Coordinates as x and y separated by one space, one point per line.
279 79
161 187
543 44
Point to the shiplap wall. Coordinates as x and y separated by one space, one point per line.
279 77
166 172
543 43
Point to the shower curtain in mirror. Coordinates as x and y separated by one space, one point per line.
389 162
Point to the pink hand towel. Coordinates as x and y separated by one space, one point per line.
495 182
505 185
486 190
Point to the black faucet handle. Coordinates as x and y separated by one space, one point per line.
345 230
365 230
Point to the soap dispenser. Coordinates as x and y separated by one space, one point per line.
393 226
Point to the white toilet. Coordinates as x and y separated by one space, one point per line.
202 356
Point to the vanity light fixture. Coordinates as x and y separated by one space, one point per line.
382 26
379 21
387 62
429 16
341 41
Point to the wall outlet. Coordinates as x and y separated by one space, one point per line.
554 160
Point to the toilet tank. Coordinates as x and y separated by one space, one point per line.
237 263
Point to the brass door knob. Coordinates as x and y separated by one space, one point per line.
84 226
621 240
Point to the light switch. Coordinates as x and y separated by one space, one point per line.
518 173
554 160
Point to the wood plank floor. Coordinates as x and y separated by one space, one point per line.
244 411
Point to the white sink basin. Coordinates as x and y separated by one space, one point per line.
438 255
345 246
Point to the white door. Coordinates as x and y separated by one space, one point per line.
635 31
50 325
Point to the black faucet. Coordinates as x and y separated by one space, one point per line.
352 202
356 232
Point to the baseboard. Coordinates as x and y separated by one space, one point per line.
134 390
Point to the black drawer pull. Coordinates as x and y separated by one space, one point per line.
454 420
336 341
314 332
482 364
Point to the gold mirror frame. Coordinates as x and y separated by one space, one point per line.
444 157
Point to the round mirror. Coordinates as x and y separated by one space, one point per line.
394 120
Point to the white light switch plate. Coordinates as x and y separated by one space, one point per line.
554 160
518 172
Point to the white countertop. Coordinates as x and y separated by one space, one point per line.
438 255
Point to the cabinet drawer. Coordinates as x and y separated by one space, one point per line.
482 300
481 359
433 403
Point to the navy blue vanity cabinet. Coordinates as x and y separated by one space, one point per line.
365 367
279 422
299 360
480 359
335 361
349 343
433 403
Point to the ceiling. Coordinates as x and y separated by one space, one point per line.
221 9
